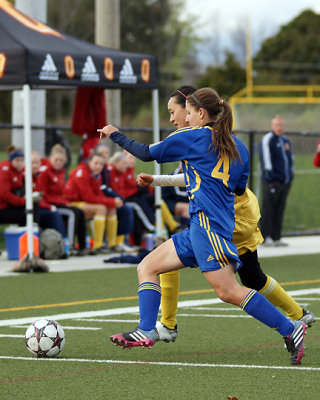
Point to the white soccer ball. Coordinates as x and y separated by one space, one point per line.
45 338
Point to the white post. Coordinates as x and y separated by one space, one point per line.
28 167
107 33
36 9
157 170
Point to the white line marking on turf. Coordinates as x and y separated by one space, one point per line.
214 315
172 364
11 336
107 320
307 298
76 328
216 308
130 310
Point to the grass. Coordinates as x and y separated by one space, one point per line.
214 357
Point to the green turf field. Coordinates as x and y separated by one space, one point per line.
219 352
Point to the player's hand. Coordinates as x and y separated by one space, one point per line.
107 130
144 179
180 167
118 202
318 148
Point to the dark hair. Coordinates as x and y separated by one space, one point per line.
220 112
12 148
94 154
180 95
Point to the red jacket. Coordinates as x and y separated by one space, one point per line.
10 180
316 159
123 183
35 188
51 183
82 185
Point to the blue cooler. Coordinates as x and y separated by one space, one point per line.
16 241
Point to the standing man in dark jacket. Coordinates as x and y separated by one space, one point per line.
276 159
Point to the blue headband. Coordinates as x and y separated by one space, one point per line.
15 154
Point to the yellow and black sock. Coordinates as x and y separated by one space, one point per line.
112 228
280 298
99 222
170 284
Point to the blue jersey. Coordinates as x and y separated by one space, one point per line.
210 180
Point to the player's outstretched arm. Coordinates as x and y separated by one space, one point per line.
137 149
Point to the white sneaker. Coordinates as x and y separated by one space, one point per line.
166 334
280 243
268 242
122 248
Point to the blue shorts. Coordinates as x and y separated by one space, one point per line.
199 246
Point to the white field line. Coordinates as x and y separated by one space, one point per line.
75 328
130 310
307 298
161 363
216 308
11 336
107 320
214 315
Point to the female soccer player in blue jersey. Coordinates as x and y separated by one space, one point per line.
215 166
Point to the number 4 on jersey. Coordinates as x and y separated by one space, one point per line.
224 175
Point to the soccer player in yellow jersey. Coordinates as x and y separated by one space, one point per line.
246 237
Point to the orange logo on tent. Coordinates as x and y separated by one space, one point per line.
3 60
108 68
145 70
28 21
23 245
69 66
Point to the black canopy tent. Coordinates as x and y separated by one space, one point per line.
34 55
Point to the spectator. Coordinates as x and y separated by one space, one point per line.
51 183
276 158
83 189
125 213
12 200
316 158
124 183
48 216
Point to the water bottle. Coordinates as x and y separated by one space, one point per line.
149 240
88 242
66 246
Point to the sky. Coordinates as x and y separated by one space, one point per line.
224 16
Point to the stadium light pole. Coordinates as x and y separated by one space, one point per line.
249 80
157 171
38 10
107 33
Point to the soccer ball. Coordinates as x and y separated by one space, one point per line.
45 338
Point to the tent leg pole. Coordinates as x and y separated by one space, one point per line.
28 167
157 171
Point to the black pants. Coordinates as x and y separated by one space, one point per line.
144 217
17 215
76 224
273 206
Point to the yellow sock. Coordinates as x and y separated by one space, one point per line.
112 228
99 222
167 217
280 298
120 239
170 284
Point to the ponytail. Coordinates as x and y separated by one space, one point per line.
220 112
